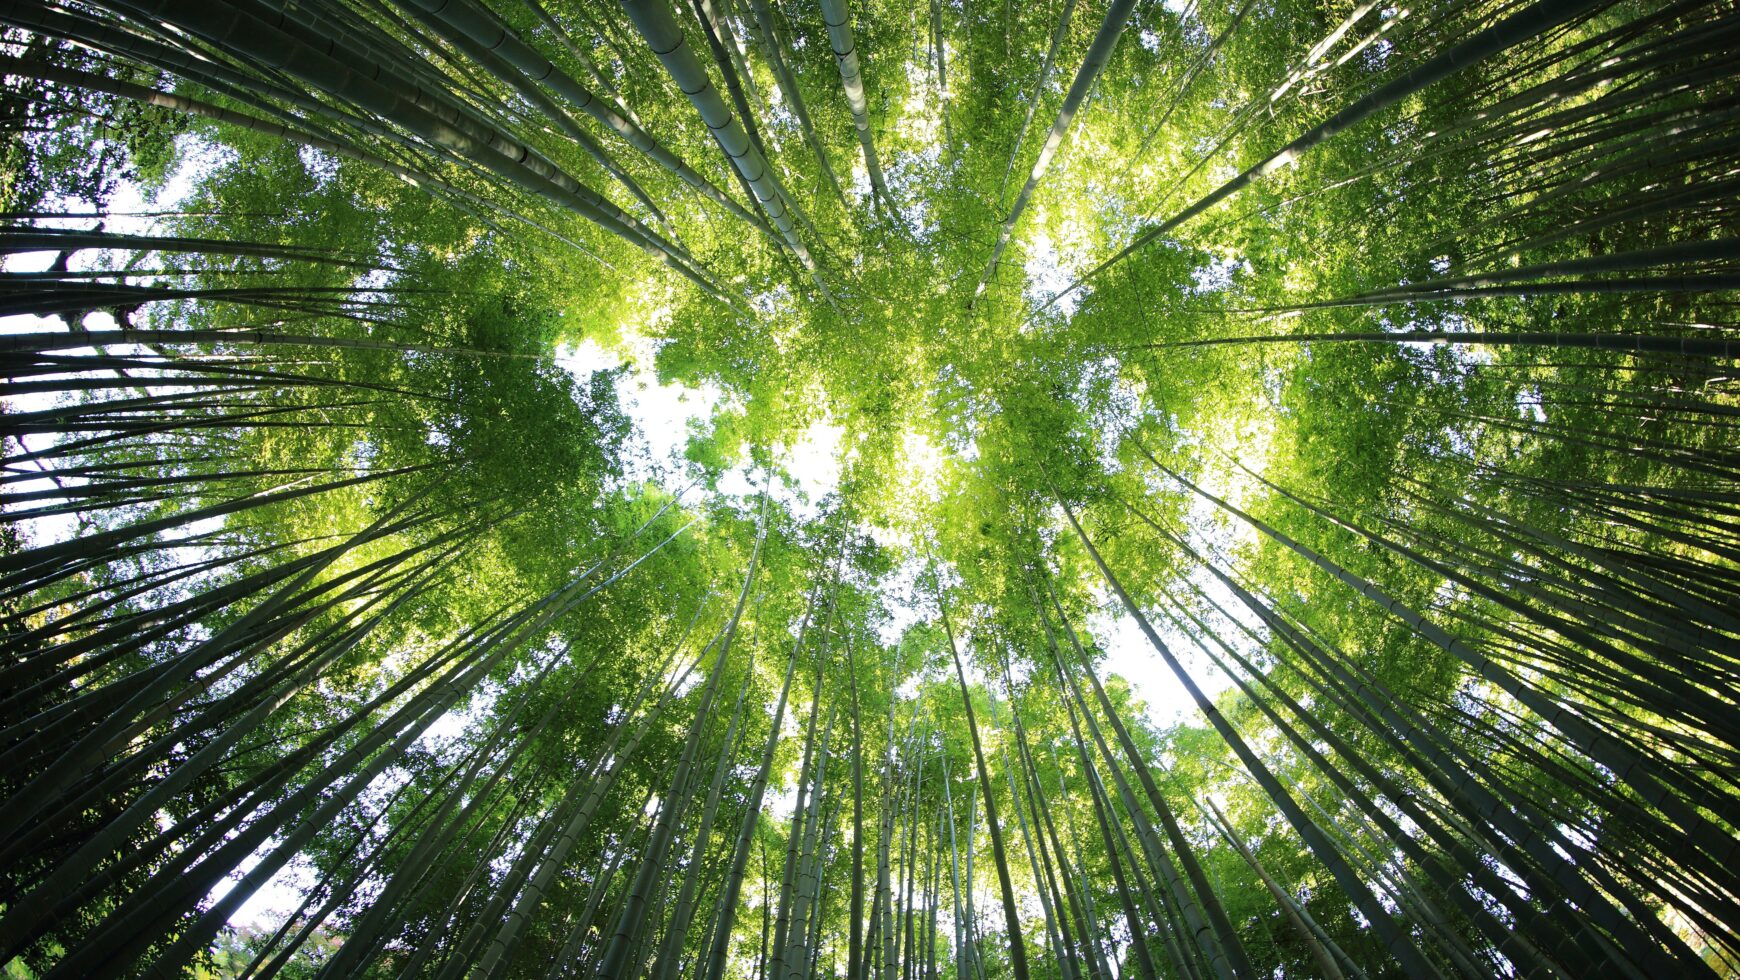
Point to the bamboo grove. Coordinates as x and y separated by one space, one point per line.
1284 511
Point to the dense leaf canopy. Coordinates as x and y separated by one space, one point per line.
770 489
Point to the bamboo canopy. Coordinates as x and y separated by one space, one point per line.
752 489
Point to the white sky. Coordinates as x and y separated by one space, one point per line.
666 415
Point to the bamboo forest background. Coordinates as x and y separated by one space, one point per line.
1179 488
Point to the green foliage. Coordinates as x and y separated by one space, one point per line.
1284 626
